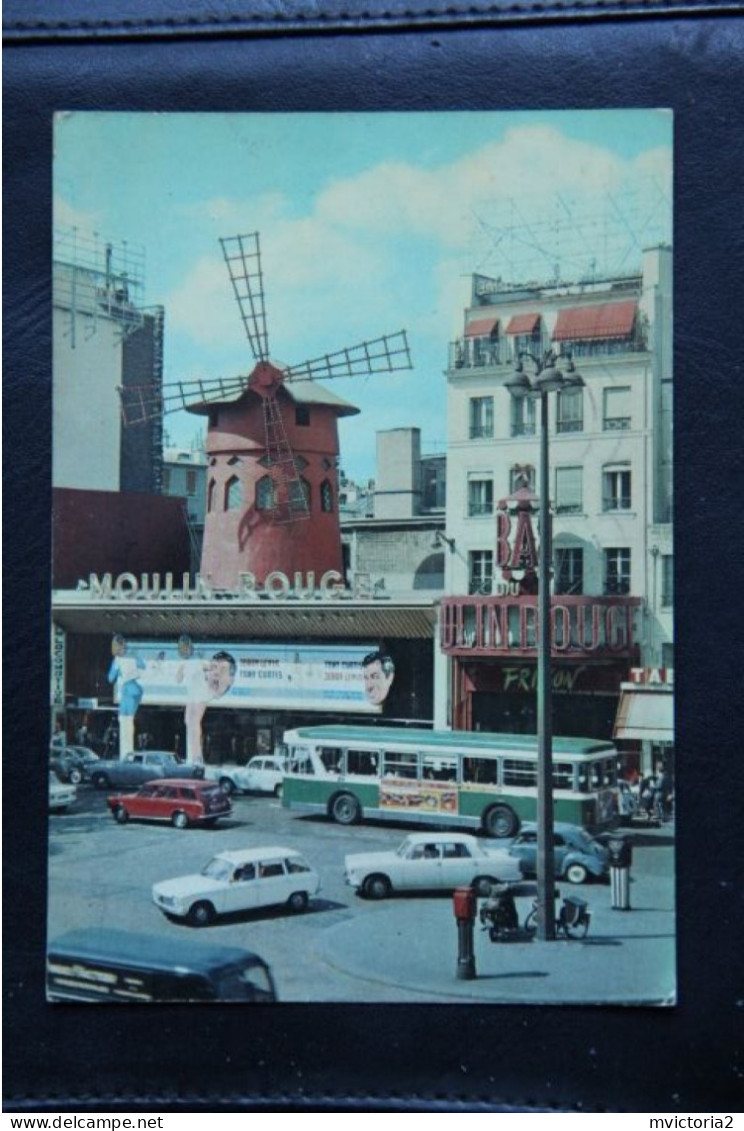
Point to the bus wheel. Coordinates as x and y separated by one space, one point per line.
345 809
500 821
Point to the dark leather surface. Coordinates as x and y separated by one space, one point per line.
241 57
78 19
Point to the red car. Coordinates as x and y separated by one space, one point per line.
183 803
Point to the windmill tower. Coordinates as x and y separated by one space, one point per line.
272 442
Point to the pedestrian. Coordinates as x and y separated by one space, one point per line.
646 795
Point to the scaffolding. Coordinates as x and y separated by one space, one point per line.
94 279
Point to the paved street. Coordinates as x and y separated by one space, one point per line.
348 949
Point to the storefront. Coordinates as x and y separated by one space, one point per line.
296 655
644 726
492 647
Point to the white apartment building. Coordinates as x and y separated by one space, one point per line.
610 474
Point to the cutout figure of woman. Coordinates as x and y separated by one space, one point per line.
125 673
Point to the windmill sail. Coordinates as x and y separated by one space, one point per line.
380 355
243 258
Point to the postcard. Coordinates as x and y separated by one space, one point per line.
362 600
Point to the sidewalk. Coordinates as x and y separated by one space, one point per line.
627 957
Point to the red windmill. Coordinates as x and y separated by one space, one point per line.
272 442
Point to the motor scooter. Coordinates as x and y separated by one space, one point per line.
498 915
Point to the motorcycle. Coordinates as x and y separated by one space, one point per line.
498 915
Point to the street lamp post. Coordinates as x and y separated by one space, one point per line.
547 379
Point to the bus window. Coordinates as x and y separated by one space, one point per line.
400 765
562 775
332 759
299 762
602 773
439 769
519 773
482 771
362 762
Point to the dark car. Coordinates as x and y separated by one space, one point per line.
578 856
72 763
104 964
144 766
182 803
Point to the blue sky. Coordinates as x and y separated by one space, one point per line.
369 223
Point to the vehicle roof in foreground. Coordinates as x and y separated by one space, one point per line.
101 944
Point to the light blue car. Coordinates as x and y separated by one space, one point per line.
578 856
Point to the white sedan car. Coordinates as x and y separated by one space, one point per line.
61 796
239 881
263 774
430 861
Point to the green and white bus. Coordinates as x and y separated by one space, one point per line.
467 779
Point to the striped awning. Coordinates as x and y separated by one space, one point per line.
523 324
482 328
592 323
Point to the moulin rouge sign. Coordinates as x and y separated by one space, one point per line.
163 587
505 623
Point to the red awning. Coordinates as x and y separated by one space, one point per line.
482 328
523 324
605 320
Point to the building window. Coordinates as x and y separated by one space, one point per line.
210 494
302 415
521 477
166 480
326 497
570 411
233 494
568 490
667 580
190 482
299 495
522 416
616 415
481 418
616 489
569 570
265 493
617 571
480 571
480 497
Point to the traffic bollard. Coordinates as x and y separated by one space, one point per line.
621 857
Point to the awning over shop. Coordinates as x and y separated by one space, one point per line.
592 323
645 715
523 324
482 328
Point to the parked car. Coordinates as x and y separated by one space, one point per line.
239 880
61 796
144 766
182 803
429 861
72 763
263 774
578 856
